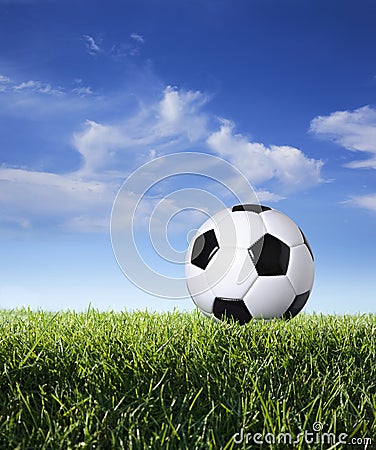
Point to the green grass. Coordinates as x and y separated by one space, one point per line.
176 381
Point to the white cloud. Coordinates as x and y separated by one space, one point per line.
173 124
28 197
39 87
137 37
65 192
87 223
4 79
34 85
82 199
266 196
92 46
118 51
99 145
24 97
354 130
363 201
179 112
287 165
83 91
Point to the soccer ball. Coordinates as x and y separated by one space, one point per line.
249 261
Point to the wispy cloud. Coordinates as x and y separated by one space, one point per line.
174 123
363 201
92 46
38 86
287 165
59 199
114 50
137 37
83 91
354 130
82 199
4 79
4 82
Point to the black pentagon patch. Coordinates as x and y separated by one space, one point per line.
204 248
306 243
231 308
273 256
296 306
252 208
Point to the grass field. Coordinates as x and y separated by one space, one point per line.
179 381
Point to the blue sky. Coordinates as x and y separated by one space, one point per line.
90 91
